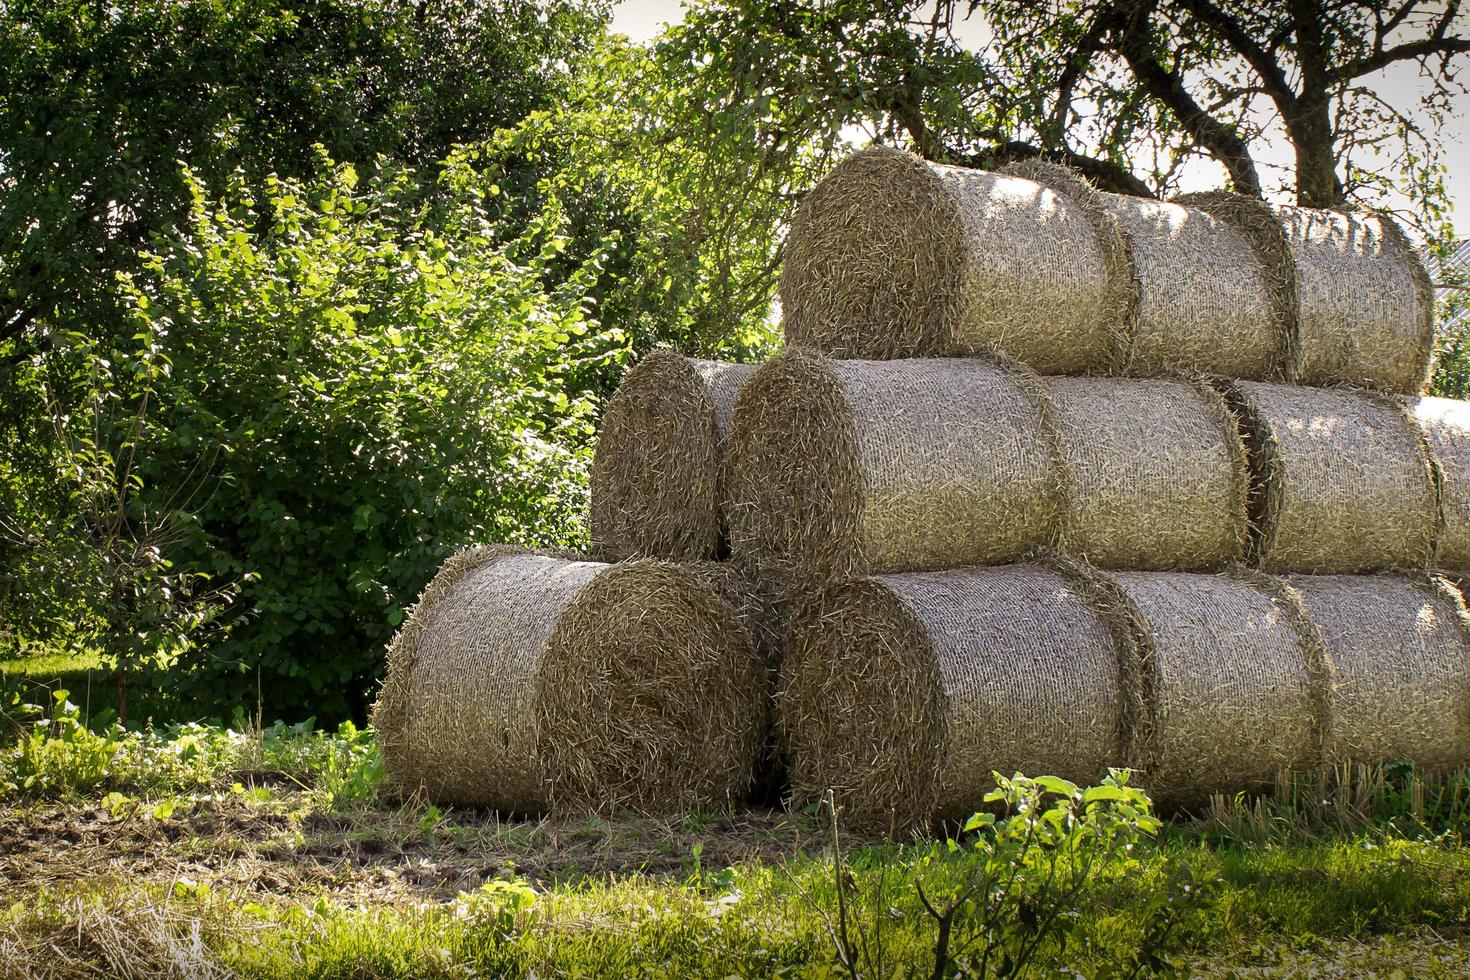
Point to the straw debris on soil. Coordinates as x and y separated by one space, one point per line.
1399 653
656 474
844 468
1154 473
1341 481
890 256
903 693
525 682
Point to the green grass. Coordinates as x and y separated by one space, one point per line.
267 854
32 676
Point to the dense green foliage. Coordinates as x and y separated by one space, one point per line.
300 295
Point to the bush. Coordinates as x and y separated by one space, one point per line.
368 381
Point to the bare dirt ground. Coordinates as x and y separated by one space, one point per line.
283 848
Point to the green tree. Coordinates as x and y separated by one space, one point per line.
375 379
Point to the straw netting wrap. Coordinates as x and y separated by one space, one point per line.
1365 304
1236 698
1204 302
1274 262
1341 482
903 693
1154 472
1445 426
889 256
655 478
1400 658
844 468
526 681
1118 306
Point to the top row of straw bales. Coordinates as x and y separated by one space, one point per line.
893 257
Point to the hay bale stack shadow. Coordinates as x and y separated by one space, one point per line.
1399 653
1444 424
1341 480
1235 682
527 682
845 468
903 693
890 256
1154 472
656 473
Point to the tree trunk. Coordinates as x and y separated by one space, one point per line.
1317 185
120 677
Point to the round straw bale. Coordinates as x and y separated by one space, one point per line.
904 693
889 256
1154 473
1236 696
1341 482
1366 306
1204 301
526 681
1400 667
1445 425
1254 220
843 468
655 477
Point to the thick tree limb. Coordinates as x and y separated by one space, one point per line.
1105 174
1135 43
1266 66
1437 43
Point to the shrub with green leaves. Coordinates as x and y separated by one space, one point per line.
368 379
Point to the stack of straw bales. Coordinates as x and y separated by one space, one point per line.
1046 480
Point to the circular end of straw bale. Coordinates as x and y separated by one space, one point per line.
861 708
655 476
650 696
1118 311
1341 479
1255 220
874 261
794 490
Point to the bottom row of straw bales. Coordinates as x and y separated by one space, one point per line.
528 682
902 693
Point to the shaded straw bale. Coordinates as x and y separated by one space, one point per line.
903 693
656 474
1154 473
1275 262
1341 482
1444 424
1365 304
1204 303
890 256
1236 696
844 468
527 682
1400 656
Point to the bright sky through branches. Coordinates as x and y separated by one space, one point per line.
640 20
